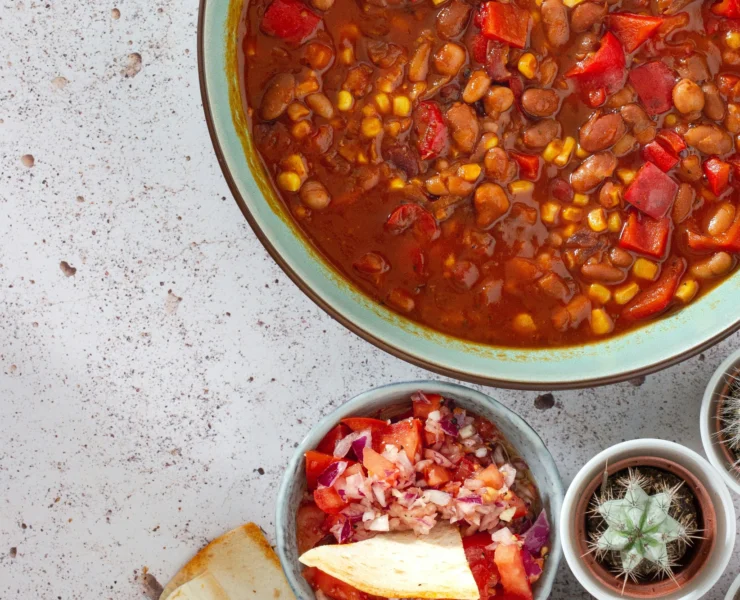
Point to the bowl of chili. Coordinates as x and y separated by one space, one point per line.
547 206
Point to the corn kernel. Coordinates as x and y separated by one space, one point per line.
549 212
570 230
301 129
536 15
562 159
361 158
371 126
521 187
417 89
626 175
297 164
383 102
612 198
572 3
393 128
552 150
289 181
347 55
524 323
345 101
580 199
438 2
601 322
304 88
396 183
450 261
296 111
645 269
580 152
490 140
401 106
732 40
528 65
469 172
614 223
597 220
625 293
572 214
687 290
599 293
671 120
435 186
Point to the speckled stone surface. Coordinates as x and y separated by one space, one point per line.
157 366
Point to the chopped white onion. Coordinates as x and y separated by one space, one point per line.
481 452
466 432
437 497
379 524
508 514
503 536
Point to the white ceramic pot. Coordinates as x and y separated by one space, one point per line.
721 499
709 425
734 589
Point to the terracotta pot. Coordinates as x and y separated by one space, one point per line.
701 549
732 467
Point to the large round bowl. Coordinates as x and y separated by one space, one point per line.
527 443
655 346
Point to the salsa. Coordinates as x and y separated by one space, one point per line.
526 173
434 463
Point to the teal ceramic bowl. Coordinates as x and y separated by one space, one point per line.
648 349
515 429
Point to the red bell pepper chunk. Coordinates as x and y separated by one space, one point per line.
652 191
504 22
479 48
729 241
508 560
734 161
727 8
718 174
431 130
290 20
316 463
654 82
420 220
646 235
632 30
671 141
658 155
376 426
329 500
655 299
601 73
529 164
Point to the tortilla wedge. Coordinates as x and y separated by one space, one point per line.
239 565
401 565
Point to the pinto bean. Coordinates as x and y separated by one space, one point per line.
709 139
497 164
541 133
280 92
603 273
593 171
321 105
498 99
449 59
715 266
322 4
477 86
693 68
540 103
587 14
419 65
620 257
491 203
601 131
683 204
314 195
548 71
555 19
622 97
452 19
721 219
638 120
584 43
732 119
714 108
464 126
689 169
688 97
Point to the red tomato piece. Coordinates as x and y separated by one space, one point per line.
481 563
420 220
479 48
646 235
465 470
491 477
405 435
436 475
327 445
379 466
521 507
654 83
652 191
331 586
309 526
508 559
316 463
504 22
658 155
290 20
431 130
655 299
632 30
601 73
376 426
718 174
329 500
671 141
422 409
529 164
727 8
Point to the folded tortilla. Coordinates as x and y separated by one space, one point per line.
401 564
239 565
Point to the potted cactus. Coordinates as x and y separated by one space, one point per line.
720 421
647 519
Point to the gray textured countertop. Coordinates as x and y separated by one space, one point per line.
157 366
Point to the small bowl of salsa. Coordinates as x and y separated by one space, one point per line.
407 457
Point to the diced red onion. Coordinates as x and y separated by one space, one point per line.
503 536
538 535
481 452
471 500
332 473
342 531
509 474
345 444
379 493
449 426
420 397
437 497
531 568
362 442
438 458
379 524
467 431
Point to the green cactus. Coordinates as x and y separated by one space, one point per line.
640 531
730 417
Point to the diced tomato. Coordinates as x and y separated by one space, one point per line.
290 20
529 164
481 563
327 445
727 8
479 48
465 469
487 430
504 22
329 500
655 299
654 82
413 216
671 141
508 559
521 507
658 155
646 235
405 435
376 426
331 586
316 463
717 173
310 528
632 30
728 241
652 191
601 73
379 466
431 130
491 477
422 409
436 475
